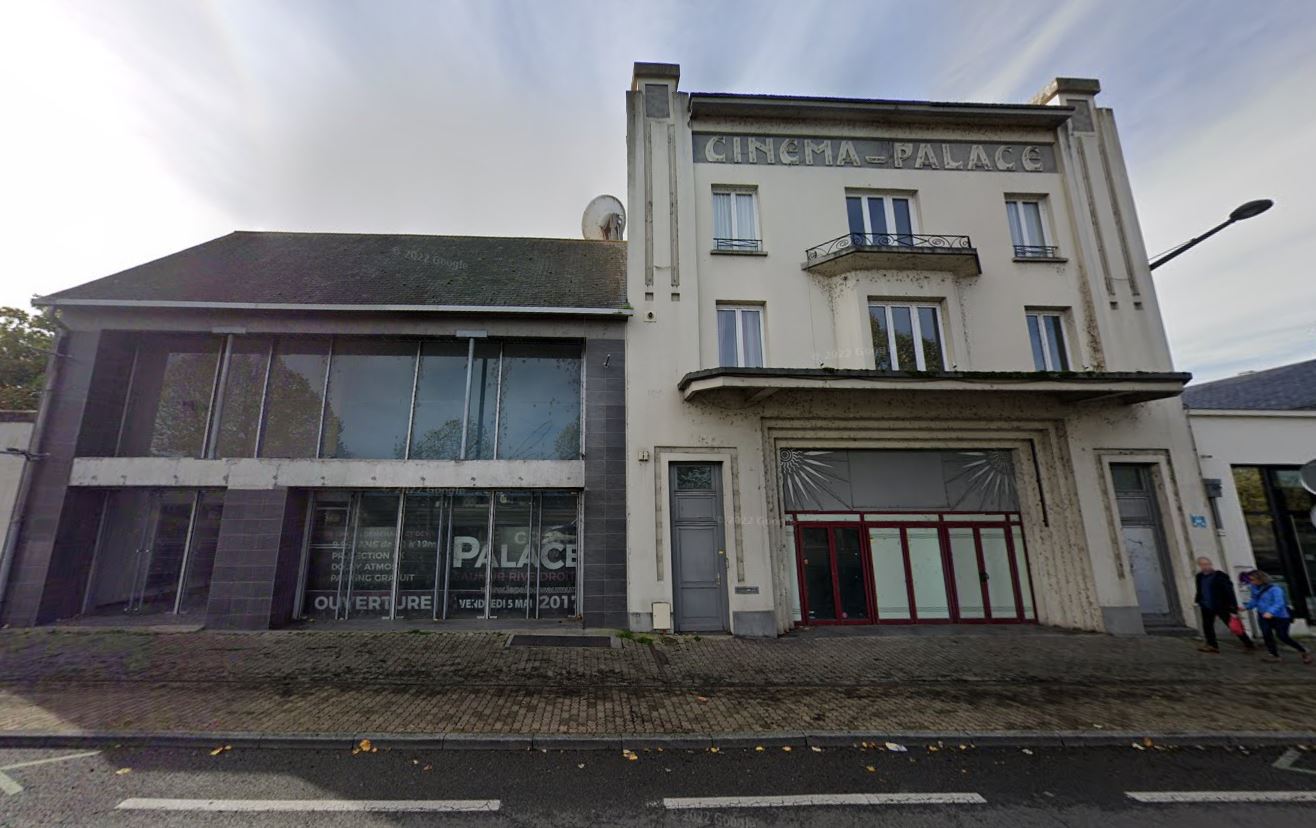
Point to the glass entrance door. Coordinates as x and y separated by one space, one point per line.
834 569
155 553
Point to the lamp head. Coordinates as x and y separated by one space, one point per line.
1250 209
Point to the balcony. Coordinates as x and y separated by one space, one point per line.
885 251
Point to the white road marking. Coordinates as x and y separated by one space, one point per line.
49 760
1161 797
393 806
9 786
1290 757
813 800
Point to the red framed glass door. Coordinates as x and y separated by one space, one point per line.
835 574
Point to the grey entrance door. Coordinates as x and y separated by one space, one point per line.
698 548
1144 542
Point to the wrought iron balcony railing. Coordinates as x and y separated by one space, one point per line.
1035 251
751 245
910 242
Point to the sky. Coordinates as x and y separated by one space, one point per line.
135 128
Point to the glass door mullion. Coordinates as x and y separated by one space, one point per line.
397 556
445 555
488 559
187 551
349 552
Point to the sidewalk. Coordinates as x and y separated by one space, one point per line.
344 683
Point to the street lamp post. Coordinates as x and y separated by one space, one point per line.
1244 211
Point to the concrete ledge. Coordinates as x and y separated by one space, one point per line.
685 741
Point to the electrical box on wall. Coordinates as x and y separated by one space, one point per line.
662 616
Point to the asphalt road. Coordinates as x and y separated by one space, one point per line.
1000 786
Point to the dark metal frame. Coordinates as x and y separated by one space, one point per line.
1036 251
942 526
899 242
751 245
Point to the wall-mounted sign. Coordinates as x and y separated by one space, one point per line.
747 590
878 153
1199 521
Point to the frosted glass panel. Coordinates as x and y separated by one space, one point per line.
929 577
889 573
1000 586
1025 582
968 586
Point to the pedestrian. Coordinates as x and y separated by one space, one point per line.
1217 602
1273 614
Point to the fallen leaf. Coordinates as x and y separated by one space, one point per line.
759 749
428 767
712 750
1027 751
702 698
933 748
217 751
1147 741
870 768
581 765
364 744
1138 746
895 748
815 749
786 748
122 771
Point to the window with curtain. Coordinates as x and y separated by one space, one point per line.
1027 229
880 219
740 336
1046 335
906 337
735 220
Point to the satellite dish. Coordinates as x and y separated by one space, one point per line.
604 219
1307 474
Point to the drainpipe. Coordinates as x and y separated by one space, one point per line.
33 448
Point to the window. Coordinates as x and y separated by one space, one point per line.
244 387
1027 229
740 336
906 337
540 402
172 384
880 219
295 398
735 221
1046 332
369 399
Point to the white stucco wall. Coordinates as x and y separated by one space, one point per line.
810 321
1248 438
13 435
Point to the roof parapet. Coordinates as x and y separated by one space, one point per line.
1066 86
655 71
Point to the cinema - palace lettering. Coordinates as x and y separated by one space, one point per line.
799 150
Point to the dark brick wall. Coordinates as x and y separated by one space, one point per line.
247 561
42 558
603 546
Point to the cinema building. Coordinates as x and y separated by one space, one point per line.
897 362
275 428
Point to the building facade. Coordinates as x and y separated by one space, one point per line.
279 427
897 362
1254 432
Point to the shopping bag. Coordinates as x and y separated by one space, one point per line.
1236 625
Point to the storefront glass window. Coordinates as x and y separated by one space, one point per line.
930 595
436 433
244 386
558 564
172 385
540 402
294 398
369 399
374 541
513 550
328 544
889 573
468 555
201 554
424 523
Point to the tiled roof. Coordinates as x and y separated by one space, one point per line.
373 269
1286 388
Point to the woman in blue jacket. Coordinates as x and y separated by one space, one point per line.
1273 615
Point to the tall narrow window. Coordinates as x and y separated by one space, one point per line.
1027 229
539 411
295 398
740 336
169 401
906 337
369 399
244 388
880 219
735 220
1046 334
436 428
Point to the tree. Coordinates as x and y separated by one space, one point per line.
25 341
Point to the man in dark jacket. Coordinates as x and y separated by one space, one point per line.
1217 600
